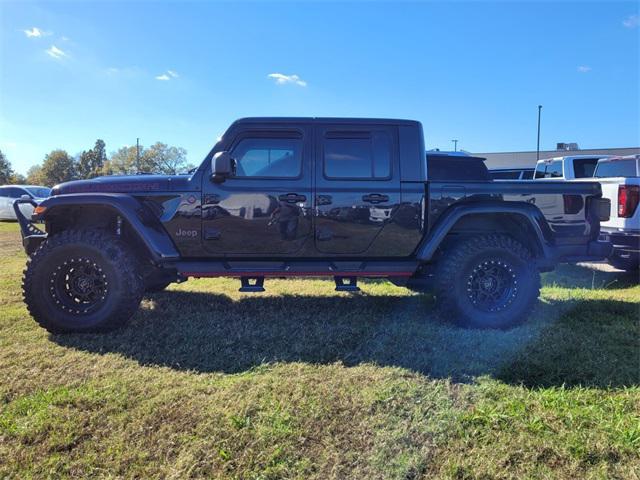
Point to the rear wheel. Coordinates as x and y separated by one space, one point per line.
487 282
82 281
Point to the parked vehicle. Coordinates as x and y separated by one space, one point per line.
512 173
620 181
9 193
304 197
567 168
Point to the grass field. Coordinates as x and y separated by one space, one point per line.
303 382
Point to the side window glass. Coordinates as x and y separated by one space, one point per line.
268 157
14 192
549 169
357 155
554 170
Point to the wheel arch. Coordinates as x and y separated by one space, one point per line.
118 213
524 222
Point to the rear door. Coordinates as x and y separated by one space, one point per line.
357 184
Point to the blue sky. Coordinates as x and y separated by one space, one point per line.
181 72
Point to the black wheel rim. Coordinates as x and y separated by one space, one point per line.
492 285
79 286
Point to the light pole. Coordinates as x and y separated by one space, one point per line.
538 147
138 155
455 145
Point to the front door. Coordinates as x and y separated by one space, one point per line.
357 184
265 207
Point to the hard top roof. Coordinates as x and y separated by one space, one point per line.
321 120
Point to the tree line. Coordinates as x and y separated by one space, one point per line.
58 166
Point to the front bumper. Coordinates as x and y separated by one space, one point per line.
32 236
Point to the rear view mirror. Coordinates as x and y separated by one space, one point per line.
222 166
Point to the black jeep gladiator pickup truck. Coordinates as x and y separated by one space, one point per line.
285 197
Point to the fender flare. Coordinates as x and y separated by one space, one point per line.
528 212
145 225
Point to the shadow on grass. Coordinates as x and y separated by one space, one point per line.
589 343
580 276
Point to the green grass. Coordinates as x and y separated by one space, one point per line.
304 382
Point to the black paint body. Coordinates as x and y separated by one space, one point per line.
397 216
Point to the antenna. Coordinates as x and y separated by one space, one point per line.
538 147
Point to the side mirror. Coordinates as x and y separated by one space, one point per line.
25 197
222 166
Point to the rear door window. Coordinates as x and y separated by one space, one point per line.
362 155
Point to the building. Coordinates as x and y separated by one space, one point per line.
528 159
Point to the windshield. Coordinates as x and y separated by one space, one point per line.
617 168
39 192
549 169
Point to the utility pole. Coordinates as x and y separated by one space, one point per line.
137 155
538 147
455 145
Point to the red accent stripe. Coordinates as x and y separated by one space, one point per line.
297 274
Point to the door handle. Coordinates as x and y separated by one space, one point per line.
292 198
375 198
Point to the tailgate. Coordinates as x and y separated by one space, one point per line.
610 188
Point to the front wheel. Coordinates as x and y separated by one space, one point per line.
82 281
487 281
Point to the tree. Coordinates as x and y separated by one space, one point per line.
34 176
57 167
122 162
6 172
91 162
158 158
166 159
17 179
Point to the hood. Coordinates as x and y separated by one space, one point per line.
124 184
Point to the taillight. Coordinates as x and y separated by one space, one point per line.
628 197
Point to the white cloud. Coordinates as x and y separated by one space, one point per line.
631 21
282 79
584 68
35 32
56 53
167 76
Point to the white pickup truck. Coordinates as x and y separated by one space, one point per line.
620 181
